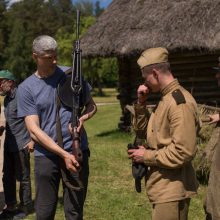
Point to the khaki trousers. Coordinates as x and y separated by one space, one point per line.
177 210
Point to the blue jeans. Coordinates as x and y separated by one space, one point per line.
16 166
47 178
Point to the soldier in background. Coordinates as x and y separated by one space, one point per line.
2 127
170 138
212 202
16 154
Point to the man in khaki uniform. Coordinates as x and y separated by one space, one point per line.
212 202
170 138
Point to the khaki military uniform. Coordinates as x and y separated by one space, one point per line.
212 202
171 145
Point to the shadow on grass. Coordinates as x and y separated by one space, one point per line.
109 133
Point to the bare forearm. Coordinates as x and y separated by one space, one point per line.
47 142
39 136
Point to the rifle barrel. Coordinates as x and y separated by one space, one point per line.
77 24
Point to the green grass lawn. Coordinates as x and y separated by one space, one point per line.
109 96
111 194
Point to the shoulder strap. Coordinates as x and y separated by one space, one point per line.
178 96
58 123
70 182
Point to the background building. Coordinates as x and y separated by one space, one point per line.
189 29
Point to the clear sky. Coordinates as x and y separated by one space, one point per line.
103 3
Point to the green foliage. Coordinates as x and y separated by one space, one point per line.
27 19
207 139
98 9
101 72
86 7
66 40
3 31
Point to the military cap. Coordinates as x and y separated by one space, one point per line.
153 56
5 74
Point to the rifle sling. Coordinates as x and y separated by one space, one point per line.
70 182
138 170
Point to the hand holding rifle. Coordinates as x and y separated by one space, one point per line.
137 155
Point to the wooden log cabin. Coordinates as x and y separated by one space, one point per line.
190 30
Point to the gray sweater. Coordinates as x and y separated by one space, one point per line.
16 136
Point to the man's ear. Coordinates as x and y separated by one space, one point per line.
34 56
155 73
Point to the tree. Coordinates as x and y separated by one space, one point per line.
25 21
86 7
3 30
65 14
66 39
101 72
98 9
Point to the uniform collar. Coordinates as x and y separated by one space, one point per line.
170 87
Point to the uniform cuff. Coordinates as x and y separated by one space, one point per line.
150 158
140 108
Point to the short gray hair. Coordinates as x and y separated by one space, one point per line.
43 44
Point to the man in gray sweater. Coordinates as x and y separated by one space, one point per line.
17 146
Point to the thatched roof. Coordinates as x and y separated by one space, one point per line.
128 26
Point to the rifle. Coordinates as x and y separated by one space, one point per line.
70 93
138 170
76 86
77 89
